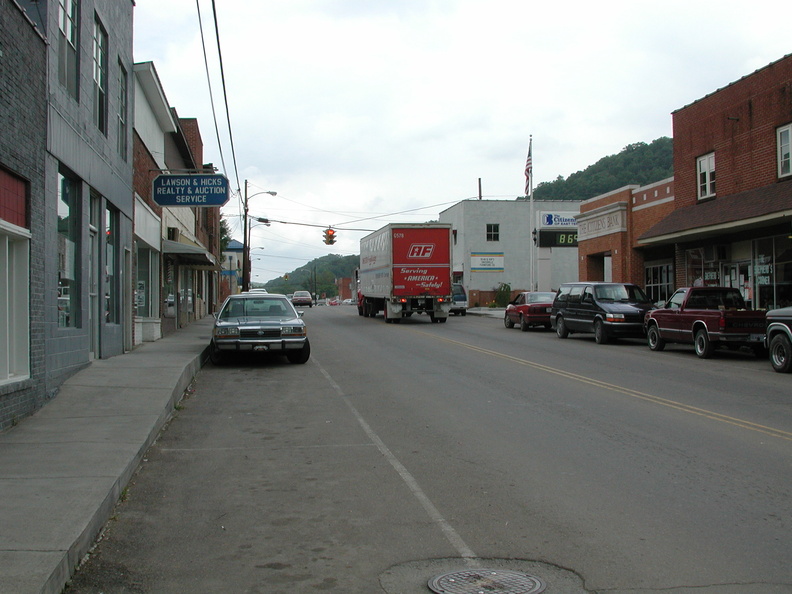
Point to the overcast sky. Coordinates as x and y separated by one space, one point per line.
363 112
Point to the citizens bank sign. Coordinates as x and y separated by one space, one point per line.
603 221
557 220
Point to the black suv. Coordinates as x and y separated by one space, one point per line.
778 338
606 309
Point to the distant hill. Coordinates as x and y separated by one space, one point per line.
319 274
638 163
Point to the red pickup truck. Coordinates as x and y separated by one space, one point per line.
706 317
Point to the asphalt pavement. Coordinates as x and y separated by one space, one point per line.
63 469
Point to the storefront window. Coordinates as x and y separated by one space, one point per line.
146 294
68 234
659 281
699 272
773 271
111 280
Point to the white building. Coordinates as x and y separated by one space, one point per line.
493 244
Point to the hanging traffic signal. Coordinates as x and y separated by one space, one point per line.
329 236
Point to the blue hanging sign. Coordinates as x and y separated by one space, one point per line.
199 189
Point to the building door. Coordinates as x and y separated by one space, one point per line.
93 292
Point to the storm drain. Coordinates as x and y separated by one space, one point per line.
486 581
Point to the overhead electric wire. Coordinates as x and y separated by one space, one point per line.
225 95
209 83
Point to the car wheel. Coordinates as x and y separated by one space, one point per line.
301 356
464 313
600 332
703 344
524 326
215 355
781 353
507 321
656 342
561 328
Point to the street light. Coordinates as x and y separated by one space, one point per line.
246 238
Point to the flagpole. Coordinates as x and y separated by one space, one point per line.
531 217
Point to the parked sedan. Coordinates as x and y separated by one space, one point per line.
778 338
529 308
302 298
259 323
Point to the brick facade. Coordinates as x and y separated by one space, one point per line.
23 126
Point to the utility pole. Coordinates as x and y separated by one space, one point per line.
245 244
246 237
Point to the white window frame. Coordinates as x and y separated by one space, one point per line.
705 176
784 143
15 306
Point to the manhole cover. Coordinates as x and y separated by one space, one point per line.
486 581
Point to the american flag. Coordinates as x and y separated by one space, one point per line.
528 168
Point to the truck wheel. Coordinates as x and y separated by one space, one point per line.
600 332
703 344
781 353
561 328
656 342
507 321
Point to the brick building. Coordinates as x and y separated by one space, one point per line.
608 230
177 248
23 127
731 229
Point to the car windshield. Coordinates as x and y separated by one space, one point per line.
540 297
626 293
268 307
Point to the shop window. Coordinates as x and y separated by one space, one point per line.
705 166
111 265
493 232
772 267
784 143
699 270
68 252
14 300
659 281
146 292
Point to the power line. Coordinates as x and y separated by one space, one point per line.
225 94
209 83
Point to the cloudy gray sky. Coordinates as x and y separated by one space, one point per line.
363 112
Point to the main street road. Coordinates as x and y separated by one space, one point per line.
400 453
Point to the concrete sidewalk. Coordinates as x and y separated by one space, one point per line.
63 469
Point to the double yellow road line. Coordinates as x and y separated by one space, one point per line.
687 408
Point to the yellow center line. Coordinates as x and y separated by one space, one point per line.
622 390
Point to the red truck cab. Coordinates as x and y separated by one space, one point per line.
706 317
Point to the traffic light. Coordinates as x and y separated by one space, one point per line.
329 236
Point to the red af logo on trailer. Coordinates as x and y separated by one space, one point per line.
421 250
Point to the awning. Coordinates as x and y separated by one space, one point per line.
760 207
190 255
